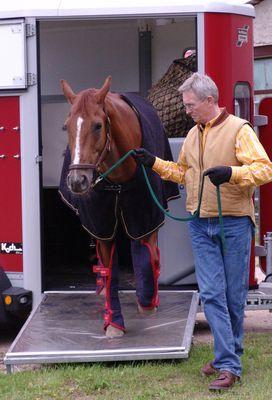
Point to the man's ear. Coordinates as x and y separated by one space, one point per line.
210 100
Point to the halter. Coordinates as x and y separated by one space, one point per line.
102 156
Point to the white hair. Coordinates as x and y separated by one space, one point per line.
202 85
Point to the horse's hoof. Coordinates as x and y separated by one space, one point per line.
112 332
147 311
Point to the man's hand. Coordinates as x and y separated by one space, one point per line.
142 156
219 175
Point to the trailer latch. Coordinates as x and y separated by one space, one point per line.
260 251
260 120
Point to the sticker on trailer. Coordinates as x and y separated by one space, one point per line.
11 248
242 36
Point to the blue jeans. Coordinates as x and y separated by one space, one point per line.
223 283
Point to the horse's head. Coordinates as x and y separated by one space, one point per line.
88 134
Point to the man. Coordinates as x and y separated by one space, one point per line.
225 148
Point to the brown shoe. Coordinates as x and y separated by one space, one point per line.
208 369
224 382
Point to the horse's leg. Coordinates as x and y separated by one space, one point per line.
108 269
100 277
146 264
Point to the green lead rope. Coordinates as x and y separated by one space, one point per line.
167 213
196 213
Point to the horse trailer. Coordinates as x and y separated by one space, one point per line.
43 247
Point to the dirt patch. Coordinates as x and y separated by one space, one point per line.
6 339
255 320
259 321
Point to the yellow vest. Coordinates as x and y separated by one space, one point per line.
219 150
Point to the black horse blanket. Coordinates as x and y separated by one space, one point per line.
108 203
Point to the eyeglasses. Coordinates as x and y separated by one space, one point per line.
189 106
192 106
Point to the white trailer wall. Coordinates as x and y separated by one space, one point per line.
170 37
86 52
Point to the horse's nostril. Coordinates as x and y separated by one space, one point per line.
69 181
84 182
78 183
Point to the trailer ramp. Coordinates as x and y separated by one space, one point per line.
68 327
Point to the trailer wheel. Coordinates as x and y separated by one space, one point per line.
15 303
268 278
4 284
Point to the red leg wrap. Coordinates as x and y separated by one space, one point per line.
155 265
109 276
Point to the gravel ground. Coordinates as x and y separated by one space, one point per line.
255 321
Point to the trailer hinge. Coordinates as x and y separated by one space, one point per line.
31 79
30 30
38 159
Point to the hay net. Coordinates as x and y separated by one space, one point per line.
168 102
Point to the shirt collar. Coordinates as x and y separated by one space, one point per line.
215 121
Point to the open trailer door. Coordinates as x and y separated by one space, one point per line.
67 327
265 108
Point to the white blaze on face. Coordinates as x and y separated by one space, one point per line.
77 149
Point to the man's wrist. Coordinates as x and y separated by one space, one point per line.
157 166
235 175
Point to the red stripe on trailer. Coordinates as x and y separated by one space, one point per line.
265 108
229 60
10 184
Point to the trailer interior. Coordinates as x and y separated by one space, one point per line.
136 53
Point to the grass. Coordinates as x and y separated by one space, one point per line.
143 380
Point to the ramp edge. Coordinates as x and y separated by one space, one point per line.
189 328
12 358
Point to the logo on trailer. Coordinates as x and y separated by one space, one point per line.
11 248
242 36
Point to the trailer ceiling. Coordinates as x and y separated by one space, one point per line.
112 8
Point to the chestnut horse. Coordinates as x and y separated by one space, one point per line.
102 127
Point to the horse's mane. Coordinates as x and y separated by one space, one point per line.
83 101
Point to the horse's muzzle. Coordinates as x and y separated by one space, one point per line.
79 182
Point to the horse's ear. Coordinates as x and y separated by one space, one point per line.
67 91
102 93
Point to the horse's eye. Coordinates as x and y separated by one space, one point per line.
97 126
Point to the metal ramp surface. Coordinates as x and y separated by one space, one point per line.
68 327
